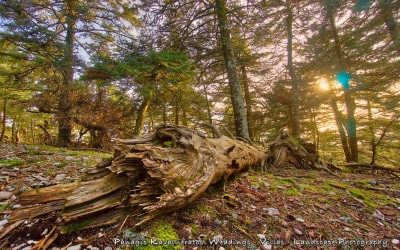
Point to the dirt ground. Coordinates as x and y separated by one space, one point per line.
277 209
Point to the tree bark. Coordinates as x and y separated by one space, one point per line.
342 132
295 84
350 104
148 176
233 77
64 109
138 130
4 119
247 97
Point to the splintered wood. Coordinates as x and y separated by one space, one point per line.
148 175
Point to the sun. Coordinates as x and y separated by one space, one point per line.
323 83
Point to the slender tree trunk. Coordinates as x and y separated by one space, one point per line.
247 97
13 129
371 127
32 131
176 110
350 104
342 132
3 129
64 109
210 121
316 131
17 128
184 117
208 106
138 130
233 77
295 85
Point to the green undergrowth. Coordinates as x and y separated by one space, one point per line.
4 207
38 150
12 163
161 234
76 226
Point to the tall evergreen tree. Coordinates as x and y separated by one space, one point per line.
52 31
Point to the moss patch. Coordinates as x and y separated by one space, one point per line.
76 226
163 235
12 163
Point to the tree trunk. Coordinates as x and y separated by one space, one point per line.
233 77
350 104
150 175
3 121
13 129
342 132
247 97
64 110
295 85
138 130
371 128
48 139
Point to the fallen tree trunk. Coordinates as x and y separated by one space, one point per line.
148 176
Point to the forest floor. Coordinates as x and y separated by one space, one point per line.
277 209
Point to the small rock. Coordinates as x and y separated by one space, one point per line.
261 236
346 229
188 229
332 193
3 222
108 248
16 206
395 241
79 238
13 198
218 237
377 214
69 158
5 195
23 189
57 164
272 211
76 247
60 177
28 169
12 174
55 248
221 248
218 221
37 185
15 169
373 182
299 219
297 231
30 179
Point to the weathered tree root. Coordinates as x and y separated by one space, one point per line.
285 152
